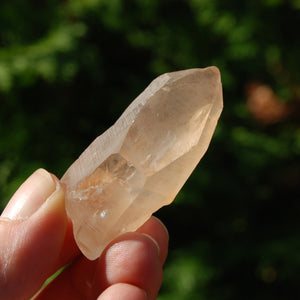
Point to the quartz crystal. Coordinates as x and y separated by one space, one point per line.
141 162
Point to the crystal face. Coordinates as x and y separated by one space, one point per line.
141 162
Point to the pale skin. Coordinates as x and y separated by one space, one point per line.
36 239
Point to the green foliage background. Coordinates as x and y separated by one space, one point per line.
69 68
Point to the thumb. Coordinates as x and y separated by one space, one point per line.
32 232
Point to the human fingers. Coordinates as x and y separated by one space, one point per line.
158 231
132 262
32 233
123 291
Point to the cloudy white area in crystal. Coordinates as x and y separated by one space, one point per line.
141 162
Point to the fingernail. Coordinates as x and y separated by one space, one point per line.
30 196
163 225
55 202
154 241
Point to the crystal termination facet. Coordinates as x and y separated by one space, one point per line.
141 162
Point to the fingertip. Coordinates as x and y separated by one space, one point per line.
30 195
132 258
55 203
123 291
157 231
162 225
153 241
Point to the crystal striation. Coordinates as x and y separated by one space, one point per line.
141 162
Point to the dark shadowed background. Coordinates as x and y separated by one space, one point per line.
69 68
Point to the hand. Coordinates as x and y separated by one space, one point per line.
36 240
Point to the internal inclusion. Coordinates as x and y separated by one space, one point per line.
114 168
